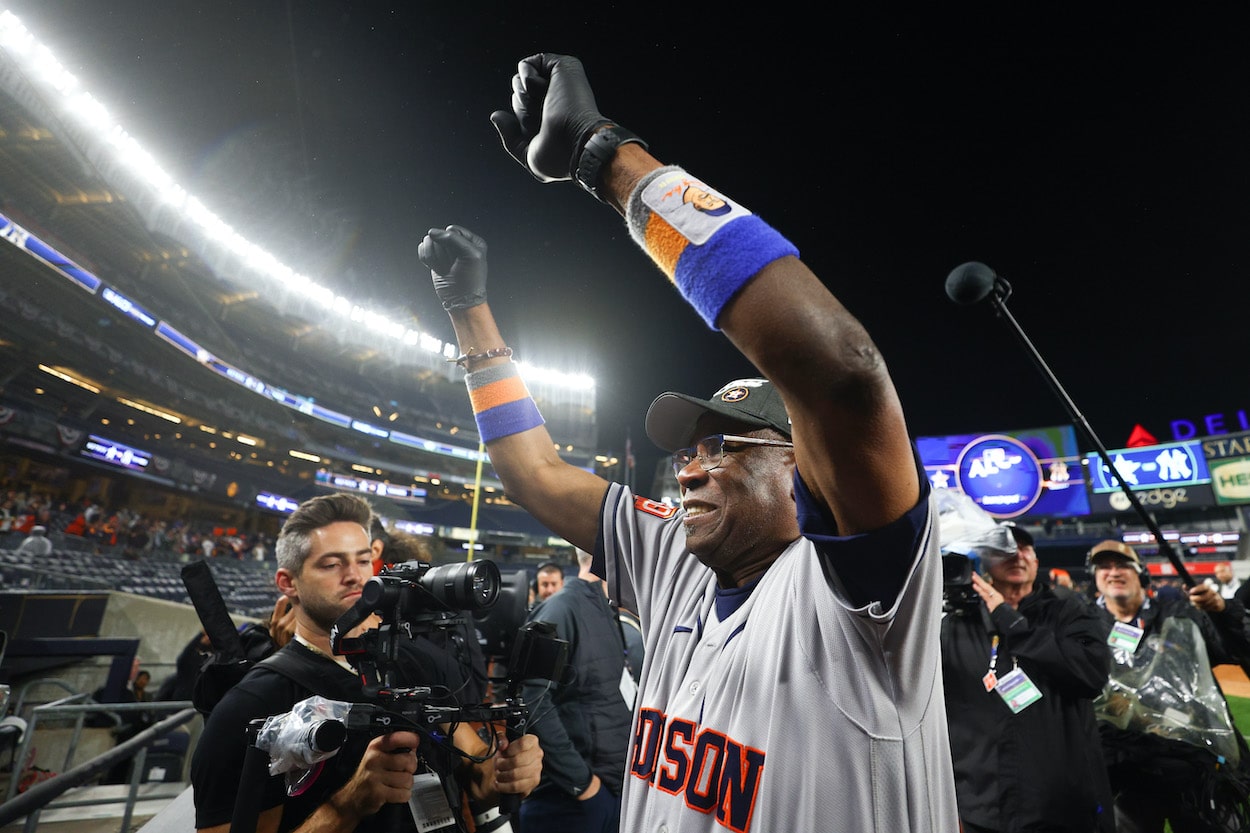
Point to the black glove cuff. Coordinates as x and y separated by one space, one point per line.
597 153
465 301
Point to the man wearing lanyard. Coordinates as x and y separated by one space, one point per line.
1156 778
1021 667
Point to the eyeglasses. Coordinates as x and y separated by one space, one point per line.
710 451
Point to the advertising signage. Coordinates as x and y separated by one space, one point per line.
1035 472
1150 467
1167 476
123 456
1228 460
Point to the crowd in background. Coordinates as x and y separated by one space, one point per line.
88 525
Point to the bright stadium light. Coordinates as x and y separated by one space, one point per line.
65 376
47 72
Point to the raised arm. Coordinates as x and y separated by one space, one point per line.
563 497
852 447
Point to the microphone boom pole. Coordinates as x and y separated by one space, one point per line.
970 283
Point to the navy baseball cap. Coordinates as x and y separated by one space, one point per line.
755 402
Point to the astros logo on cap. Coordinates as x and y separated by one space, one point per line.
739 390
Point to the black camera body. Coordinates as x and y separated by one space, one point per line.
957 592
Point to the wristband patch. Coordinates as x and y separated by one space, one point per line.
689 206
708 245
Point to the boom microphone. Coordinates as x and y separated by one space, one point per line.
973 282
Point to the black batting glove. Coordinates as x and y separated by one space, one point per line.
457 261
553 115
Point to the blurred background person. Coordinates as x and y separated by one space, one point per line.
1225 581
549 580
36 543
582 721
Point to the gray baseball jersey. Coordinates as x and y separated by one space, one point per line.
799 712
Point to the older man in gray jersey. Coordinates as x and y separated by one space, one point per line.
792 602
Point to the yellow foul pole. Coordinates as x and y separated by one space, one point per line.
477 497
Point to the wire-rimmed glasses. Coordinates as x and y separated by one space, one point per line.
710 451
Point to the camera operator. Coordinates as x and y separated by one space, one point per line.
325 558
1021 667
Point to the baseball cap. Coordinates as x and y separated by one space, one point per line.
1114 549
1023 537
755 402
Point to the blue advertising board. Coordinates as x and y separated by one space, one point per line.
1150 467
1033 472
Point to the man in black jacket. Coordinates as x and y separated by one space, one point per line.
1021 667
1172 755
583 722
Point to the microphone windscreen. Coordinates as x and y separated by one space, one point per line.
970 282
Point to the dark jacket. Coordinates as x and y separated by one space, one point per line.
220 764
1041 769
583 722
1133 759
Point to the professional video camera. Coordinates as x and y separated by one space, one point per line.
957 592
409 599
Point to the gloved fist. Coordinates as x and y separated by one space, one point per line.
553 114
457 261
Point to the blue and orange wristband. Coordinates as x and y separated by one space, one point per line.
502 405
708 245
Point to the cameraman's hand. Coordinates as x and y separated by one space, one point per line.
553 114
986 591
518 765
457 261
384 776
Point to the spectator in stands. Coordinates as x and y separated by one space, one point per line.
8 512
325 557
139 686
78 526
125 725
136 539
550 579
36 543
583 722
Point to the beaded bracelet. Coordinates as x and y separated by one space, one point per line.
469 356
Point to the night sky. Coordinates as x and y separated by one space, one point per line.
1099 164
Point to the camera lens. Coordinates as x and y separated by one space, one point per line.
473 585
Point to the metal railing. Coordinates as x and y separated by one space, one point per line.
41 795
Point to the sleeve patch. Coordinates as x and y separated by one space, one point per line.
654 507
